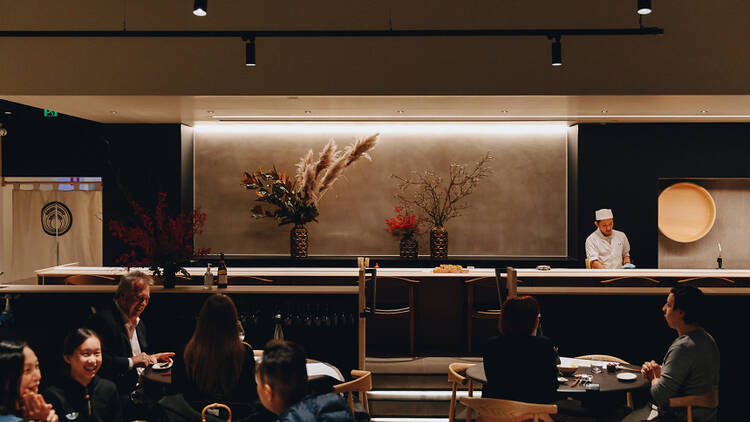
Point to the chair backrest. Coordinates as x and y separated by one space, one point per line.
604 358
709 400
457 376
216 406
508 408
86 279
630 281
588 264
483 287
385 290
362 383
457 372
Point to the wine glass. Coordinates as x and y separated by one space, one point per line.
240 331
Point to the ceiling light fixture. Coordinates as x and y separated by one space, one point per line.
644 7
551 34
200 7
249 51
556 51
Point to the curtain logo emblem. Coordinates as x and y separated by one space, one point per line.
56 218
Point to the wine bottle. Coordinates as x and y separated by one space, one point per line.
222 273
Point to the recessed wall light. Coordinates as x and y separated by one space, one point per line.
210 111
400 111
308 112
504 111
113 112
704 111
604 111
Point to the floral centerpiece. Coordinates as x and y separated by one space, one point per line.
437 201
403 227
160 241
295 200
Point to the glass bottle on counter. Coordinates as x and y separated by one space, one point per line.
222 273
208 278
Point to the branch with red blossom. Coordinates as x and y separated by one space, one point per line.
403 225
160 241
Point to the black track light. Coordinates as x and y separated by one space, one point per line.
200 7
249 51
644 7
556 52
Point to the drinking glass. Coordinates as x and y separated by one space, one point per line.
240 331
596 368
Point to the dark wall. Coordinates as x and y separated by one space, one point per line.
619 165
134 161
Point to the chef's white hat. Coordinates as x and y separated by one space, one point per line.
604 214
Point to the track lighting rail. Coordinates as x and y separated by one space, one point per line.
340 33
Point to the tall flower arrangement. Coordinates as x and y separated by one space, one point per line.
296 200
160 241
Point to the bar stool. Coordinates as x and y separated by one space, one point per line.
397 293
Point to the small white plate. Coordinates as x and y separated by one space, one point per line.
562 380
162 366
627 376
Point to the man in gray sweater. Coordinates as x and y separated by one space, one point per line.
691 365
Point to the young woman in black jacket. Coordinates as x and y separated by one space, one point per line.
82 395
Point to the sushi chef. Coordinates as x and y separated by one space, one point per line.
606 247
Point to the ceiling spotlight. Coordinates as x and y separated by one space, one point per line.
556 52
249 51
644 7
200 7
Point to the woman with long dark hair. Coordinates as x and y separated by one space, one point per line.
19 385
82 395
218 365
519 354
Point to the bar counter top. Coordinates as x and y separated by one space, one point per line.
343 280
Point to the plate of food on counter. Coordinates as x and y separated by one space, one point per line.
450 268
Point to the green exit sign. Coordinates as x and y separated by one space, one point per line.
49 113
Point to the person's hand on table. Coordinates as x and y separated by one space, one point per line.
651 370
162 357
35 408
143 360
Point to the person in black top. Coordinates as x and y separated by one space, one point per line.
82 395
520 365
216 365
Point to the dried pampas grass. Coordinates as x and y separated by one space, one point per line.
314 179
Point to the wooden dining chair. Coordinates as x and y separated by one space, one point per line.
89 279
610 358
709 400
457 377
509 409
208 408
361 384
398 292
482 287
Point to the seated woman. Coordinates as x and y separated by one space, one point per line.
520 365
19 385
216 365
82 395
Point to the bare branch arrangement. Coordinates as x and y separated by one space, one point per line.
439 203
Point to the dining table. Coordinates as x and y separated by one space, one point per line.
315 370
584 379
